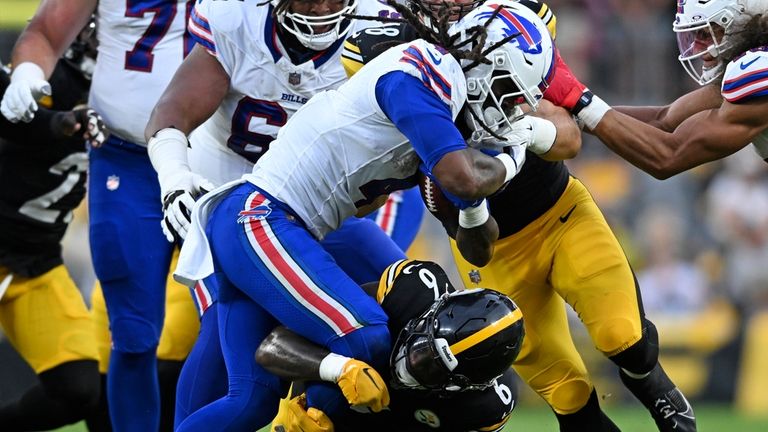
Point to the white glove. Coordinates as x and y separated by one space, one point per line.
27 85
535 133
179 186
186 187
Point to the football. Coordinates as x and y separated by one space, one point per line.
438 205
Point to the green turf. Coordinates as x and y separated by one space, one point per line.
710 419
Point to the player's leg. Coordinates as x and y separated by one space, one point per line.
362 249
548 362
300 285
131 258
203 378
99 421
180 329
253 393
46 320
591 272
400 216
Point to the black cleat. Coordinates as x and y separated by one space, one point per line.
673 413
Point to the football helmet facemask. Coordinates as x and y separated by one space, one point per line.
463 342
304 27
519 71
704 33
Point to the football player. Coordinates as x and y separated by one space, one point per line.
141 43
339 155
576 258
429 391
259 62
723 47
43 169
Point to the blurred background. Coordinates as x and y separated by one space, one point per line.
698 242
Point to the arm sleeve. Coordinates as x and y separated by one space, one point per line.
420 115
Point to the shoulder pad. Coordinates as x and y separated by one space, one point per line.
746 77
365 45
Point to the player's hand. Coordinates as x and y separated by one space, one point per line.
534 133
564 89
92 127
298 418
185 188
27 85
363 386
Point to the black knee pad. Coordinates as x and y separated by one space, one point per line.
641 357
75 384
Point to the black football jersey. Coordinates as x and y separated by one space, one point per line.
407 289
43 179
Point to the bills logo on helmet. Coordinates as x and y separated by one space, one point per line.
529 37
681 6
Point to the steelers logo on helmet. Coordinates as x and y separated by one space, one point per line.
520 62
316 32
463 342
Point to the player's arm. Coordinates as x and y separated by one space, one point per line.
567 142
195 91
706 136
197 88
50 125
51 30
669 117
293 357
54 26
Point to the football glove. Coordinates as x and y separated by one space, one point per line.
27 85
92 127
184 189
294 417
535 133
363 386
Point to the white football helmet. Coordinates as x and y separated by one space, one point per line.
704 29
501 92
304 26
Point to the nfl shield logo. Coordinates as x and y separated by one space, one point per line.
474 276
113 182
294 78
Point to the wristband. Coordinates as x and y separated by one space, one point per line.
472 217
332 366
593 112
544 135
509 164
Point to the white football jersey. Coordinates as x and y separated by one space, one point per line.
266 87
340 151
141 44
746 78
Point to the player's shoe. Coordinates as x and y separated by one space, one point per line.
673 413
666 403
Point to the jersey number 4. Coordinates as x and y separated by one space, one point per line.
140 58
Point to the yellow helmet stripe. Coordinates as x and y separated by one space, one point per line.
388 277
476 338
497 427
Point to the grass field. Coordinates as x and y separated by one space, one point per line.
710 418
